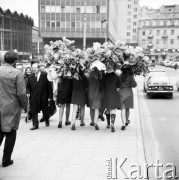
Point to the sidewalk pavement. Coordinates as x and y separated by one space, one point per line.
50 153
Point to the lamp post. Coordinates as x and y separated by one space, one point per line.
2 34
106 37
84 35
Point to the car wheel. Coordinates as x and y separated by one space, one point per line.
171 95
144 89
149 95
178 88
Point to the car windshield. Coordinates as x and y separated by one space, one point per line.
157 74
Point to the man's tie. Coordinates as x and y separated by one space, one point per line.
36 77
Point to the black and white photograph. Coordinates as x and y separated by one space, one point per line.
89 89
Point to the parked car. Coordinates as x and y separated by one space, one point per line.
157 82
177 84
167 63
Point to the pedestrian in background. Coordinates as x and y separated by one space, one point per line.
64 94
40 90
12 100
26 75
126 83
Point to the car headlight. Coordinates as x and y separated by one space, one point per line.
171 88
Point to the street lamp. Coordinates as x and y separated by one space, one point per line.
84 35
2 34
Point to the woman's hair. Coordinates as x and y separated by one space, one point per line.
126 71
26 70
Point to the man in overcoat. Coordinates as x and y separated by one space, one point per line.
40 90
12 100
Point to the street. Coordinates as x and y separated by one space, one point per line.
159 119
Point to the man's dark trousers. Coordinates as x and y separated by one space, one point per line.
9 144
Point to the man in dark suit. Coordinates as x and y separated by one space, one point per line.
40 90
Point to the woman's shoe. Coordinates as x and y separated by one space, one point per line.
127 122
67 123
82 124
73 127
91 123
26 119
96 126
108 126
60 124
112 128
123 128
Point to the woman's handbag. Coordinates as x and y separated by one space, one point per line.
51 108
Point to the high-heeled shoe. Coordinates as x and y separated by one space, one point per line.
73 127
112 128
127 122
67 123
123 128
60 124
96 126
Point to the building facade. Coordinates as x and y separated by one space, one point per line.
16 33
159 32
59 18
128 21
37 44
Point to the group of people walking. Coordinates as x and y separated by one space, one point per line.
104 95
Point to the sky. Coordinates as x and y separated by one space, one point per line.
30 7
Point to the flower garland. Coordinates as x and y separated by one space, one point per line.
95 61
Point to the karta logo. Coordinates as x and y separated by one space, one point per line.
115 170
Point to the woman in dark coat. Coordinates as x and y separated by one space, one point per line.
95 93
64 94
79 98
27 72
111 99
126 83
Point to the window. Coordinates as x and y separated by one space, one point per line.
143 33
158 23
165 32
129 13
128 20
128 33
128 27
48 24
172 23
52 24
172 32
150 32
165 23
164 41
135 9
135 23
42 9
77 24
128 40
134 30
78 10
129 6
158 32
135 2
103 9
134 37
144 23
97 9
157 41
171 41
151 23
73 24
43 24
58 24
135 16
143 42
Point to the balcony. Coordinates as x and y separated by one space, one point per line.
164 36
150 36
150 45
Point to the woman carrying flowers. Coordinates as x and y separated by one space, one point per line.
79 97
